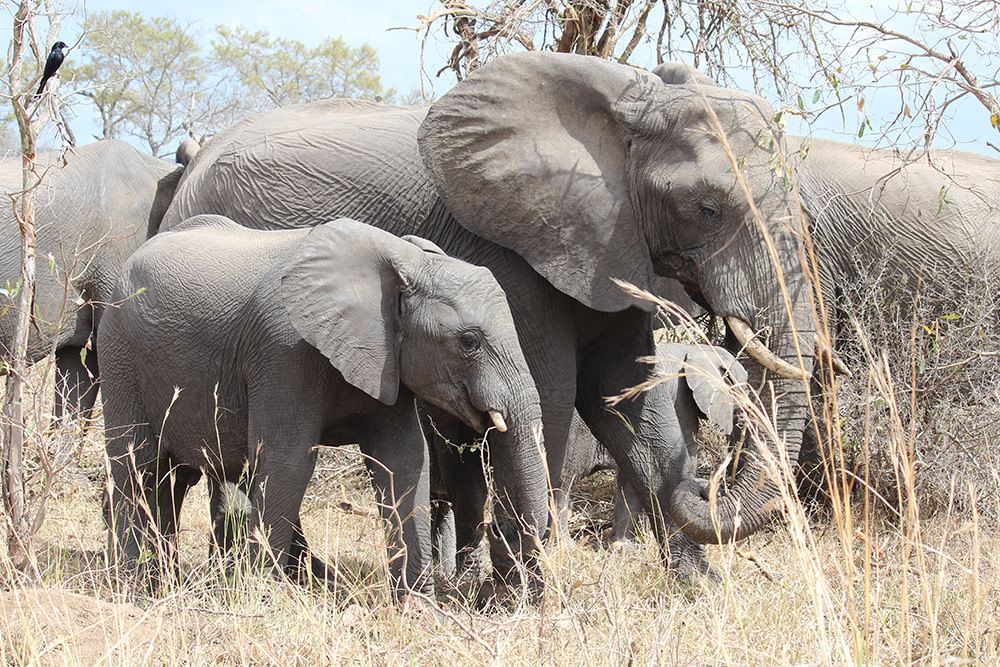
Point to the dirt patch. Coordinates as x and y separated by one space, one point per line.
53 627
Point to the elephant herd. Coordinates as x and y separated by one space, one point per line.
261 318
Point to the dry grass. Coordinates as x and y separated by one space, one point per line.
869 591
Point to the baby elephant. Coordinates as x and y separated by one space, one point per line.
703 381
234 352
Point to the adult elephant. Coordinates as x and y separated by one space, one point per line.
926 222
559 173
926 218
93 211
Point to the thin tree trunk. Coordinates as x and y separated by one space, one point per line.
14 431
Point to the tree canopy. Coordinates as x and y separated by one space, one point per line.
157 80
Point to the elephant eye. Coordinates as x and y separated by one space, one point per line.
708 211
469 341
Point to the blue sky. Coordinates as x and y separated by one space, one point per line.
371 22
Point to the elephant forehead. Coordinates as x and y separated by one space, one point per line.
463 295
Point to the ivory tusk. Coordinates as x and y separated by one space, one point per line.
498 421
838 365
756 349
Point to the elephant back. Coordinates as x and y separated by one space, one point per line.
924 217
277 169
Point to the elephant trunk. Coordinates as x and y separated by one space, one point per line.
783 388
516 456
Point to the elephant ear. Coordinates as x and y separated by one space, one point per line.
530 152
674 74
424 244
711 374
341 288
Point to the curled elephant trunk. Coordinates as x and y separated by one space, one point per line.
737 514
747 504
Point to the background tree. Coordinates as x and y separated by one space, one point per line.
145 77
151 78
918 59
20 435
267 72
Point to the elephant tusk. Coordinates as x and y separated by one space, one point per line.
498 421
838 365
756 349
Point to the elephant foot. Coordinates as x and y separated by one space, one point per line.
687 560
495 594
504 590
420 607
460 585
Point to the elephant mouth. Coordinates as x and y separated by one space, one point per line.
682 269
477 415
491 418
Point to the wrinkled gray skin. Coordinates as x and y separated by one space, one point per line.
557 172
700 379
281 340
92 214
930 221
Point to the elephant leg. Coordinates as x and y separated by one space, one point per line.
171 491
397 459
303 567
811 474
172 485
627 512
459 490
76 383
469 507
135 545
279 484
443 548
231 510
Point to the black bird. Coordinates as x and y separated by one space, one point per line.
52 64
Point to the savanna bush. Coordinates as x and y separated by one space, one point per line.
926 378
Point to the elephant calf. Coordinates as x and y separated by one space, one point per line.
700 381
233 352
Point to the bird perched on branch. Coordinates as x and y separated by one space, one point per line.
52 64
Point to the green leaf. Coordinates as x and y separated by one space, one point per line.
816 95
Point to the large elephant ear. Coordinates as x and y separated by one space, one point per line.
712 373
341 287
530 152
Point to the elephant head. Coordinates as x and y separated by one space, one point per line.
593 170
386 312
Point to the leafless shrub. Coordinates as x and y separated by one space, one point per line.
942 352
